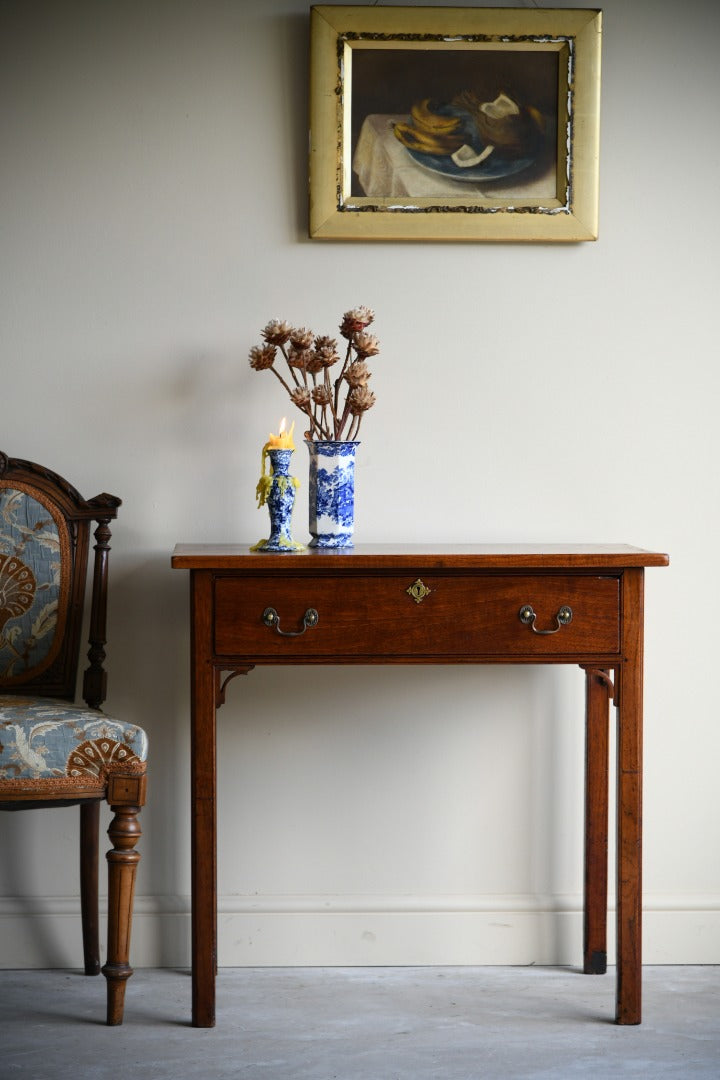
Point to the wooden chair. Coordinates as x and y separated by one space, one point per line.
54 752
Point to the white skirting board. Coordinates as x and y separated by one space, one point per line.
363 931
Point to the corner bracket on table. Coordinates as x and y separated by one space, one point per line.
222 683
604 676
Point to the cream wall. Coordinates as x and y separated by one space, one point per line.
153 218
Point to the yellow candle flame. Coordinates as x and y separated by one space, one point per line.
283 440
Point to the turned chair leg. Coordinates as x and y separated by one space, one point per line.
124 832
89 841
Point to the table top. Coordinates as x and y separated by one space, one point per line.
216 556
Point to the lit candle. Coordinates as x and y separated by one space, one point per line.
283 440
276 488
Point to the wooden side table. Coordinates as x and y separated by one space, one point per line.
481 604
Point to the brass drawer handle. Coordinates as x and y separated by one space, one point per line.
528 616
271 618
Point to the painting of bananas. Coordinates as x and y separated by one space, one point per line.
454 122
469 139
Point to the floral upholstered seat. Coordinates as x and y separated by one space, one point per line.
69 746
53 751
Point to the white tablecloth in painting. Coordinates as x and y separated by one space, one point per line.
385 169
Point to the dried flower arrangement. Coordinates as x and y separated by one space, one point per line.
309 358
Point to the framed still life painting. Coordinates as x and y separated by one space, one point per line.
450 123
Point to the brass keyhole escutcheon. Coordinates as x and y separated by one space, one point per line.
418 590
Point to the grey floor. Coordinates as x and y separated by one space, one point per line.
363 1024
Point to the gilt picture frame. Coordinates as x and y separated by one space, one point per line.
454 124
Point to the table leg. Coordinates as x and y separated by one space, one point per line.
629 806
204 813
597 722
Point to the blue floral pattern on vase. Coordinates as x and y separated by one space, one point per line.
332 493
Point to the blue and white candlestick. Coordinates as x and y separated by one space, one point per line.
278 490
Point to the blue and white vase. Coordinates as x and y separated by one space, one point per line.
280 498
332 493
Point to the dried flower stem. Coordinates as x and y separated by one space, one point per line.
355 427
339 380
277 375
291 369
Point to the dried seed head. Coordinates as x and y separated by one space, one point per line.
323 341
301 338
366 344
314 363
262 357
327 355
360 399
298 358
356 320
357 374
277 332
322 395
301 397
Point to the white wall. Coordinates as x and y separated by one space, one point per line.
153 218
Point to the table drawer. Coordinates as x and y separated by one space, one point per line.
429 616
